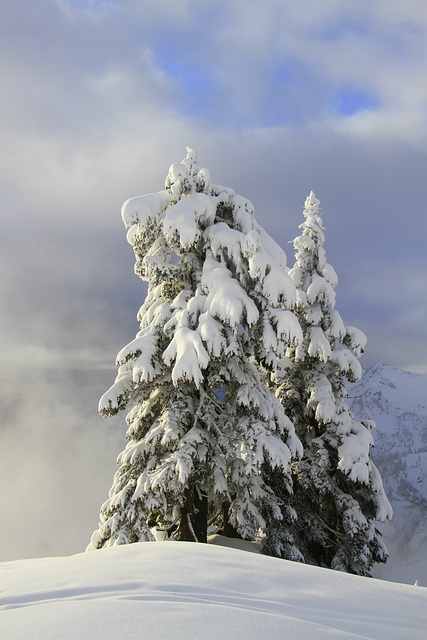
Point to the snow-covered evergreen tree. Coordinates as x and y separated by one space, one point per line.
201 422
338 492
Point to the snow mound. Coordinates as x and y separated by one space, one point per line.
193 591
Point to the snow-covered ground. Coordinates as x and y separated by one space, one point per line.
193 591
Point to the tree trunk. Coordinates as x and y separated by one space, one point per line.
193 524
200 516
227 529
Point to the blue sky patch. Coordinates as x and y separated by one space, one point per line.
198 91
350 101
220 394
196 88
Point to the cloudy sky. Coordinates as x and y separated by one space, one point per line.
99 98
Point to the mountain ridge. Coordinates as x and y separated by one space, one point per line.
397 401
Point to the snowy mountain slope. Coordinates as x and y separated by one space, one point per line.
397 401
196 592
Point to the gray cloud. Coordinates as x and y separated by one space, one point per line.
57 460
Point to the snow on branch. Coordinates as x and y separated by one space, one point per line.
226 299
356 340
353 454
142 209
319 346
320 291
182 220
113 400
189 354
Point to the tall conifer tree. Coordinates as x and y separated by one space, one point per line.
201 422
338 492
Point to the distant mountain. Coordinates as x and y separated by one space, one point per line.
397 401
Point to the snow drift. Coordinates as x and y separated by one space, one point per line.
197 591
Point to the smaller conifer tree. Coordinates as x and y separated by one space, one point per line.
338 492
